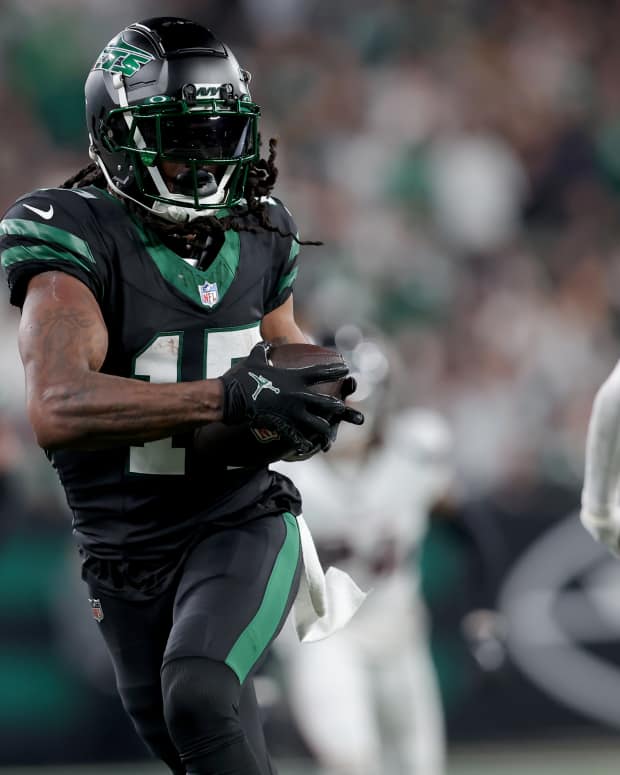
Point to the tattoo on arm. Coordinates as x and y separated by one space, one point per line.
72 404
61 334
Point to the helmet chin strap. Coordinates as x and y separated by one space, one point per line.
111 185
176 213
184 212
171 212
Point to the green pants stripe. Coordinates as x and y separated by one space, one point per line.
255 638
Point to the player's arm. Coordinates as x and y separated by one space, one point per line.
63 343
602 465
280 327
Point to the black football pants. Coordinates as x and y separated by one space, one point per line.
183 661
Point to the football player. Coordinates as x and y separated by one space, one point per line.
599 499
366 699
142 281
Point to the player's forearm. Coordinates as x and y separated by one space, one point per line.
100 410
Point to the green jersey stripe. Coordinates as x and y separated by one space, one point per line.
294 250
19 253
21 227
185 277
287 280
253 641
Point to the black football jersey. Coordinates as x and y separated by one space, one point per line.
167 321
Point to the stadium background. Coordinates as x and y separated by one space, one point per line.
461 163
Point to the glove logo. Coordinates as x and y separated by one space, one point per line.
265 435
262 383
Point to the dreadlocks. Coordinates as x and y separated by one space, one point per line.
261 179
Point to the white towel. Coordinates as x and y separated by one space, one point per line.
325 602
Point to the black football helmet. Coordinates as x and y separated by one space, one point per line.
170 118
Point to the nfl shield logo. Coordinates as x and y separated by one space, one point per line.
208 294
95 607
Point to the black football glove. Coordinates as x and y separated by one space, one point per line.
324 444
280 398
349 386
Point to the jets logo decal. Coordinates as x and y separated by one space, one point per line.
122 57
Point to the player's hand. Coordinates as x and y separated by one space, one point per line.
280 398
603 528
349 386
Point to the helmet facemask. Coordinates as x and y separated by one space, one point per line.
191 153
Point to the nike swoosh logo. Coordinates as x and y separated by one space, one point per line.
46 214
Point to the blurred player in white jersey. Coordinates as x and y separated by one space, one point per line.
600 512
366 699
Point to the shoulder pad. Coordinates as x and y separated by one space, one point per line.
280 215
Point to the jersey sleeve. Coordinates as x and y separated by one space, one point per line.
285 257
51 230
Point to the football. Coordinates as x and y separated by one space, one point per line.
296 356
247 445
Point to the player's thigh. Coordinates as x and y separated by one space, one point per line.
331 696
136 633
235 592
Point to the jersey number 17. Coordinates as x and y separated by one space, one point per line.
160 361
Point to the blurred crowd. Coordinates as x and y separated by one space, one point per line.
459 161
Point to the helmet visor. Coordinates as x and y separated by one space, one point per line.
197 136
